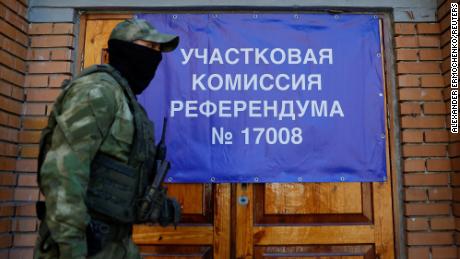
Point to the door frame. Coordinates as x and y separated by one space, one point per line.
392 100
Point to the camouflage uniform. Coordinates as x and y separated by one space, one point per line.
94 117
88 109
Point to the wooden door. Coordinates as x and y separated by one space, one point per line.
205 230
301 220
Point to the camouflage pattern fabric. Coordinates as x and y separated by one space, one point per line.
124 248
139 29
94 116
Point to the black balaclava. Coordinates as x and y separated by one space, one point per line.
136 63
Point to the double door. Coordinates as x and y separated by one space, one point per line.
301 220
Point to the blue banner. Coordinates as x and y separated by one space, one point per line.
271 98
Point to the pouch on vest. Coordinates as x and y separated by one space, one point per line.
112 190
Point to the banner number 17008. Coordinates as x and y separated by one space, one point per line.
272 135
257 136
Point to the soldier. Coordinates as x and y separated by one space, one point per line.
97 153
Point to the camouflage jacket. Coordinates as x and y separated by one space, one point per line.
94 116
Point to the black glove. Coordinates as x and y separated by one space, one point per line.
150 206
170 212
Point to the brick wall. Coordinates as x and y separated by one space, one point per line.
35 58
13 55
454 139
430 220
49 63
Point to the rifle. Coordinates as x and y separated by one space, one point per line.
155 206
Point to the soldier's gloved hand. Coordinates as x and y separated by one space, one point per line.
156 203
170 212
160 199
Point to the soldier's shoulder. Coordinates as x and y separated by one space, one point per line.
95 75
97 82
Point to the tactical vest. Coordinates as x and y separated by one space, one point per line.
114 188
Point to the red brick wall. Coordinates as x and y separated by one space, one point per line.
49 63
35 58
454 139
430 220
13 55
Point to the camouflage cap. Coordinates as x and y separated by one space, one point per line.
139 29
